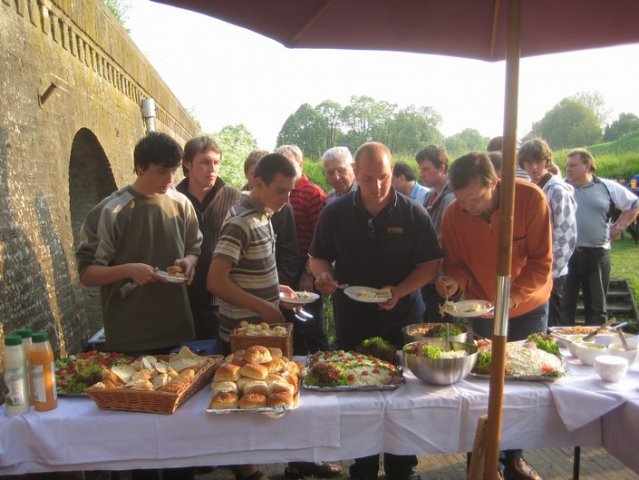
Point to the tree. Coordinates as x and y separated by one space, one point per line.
468 140
626 123
570 123
330 112
306 128
119 9
364 118
596 103
236 142
411 129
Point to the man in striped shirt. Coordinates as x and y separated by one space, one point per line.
307 199
243 273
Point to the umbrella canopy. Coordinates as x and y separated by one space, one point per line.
480 29
464 28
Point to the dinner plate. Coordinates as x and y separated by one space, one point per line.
171 278
367 294
468 308
310 298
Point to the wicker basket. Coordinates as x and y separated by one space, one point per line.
152 401
285 343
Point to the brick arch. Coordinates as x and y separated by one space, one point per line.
90 180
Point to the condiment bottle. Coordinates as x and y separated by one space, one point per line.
43 389
26 334
15 376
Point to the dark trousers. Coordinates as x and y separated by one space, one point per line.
309 336
397 467
204 318
556 302
433 301
588 269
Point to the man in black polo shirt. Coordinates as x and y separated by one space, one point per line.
377 238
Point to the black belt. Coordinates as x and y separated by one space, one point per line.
590 249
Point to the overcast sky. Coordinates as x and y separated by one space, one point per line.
227 75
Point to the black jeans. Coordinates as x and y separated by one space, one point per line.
557 300
589 268
397 467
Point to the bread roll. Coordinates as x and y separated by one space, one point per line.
255 386
224 387
280 385
160 380
275 365
111 377
292 367
276 352
257 354
280 399
254 370
252 400
227 373
241 382
225 400
179 382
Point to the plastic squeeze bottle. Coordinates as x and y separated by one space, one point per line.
26 334
15 376
43 389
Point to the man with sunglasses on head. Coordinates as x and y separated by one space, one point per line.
375 237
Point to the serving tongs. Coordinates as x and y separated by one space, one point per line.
301 314
598 329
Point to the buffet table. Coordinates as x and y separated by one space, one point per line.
414 419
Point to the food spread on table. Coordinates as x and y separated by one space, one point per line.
260 330
75 373
433 351
525 360
379 348
150 373
346 370
257 379
437 330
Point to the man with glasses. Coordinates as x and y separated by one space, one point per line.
469 236
375 238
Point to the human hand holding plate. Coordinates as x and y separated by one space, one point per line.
468 308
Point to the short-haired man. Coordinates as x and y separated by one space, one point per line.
307 200
212 200
131 234
469 236
243 273
589 266
338 170
433 171
378 238
405 182
536 157
495 145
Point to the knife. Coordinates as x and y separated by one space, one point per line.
598 329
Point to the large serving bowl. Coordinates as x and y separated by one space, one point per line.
441 371
577 340
617 350
424 332
610 368
587 352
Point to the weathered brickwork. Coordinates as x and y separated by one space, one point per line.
61 153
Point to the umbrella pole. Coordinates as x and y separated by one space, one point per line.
506 208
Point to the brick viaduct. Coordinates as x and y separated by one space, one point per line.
71 84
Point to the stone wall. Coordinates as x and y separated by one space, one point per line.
71 82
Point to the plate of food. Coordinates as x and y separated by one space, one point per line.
173 274
467 308
343 371
299 298
368 294
75 373
534 359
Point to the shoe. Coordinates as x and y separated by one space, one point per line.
520 469
298 470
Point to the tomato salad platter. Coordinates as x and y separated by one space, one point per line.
75 373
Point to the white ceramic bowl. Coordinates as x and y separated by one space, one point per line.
587 352
617 350
575 341
611 368
613 338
